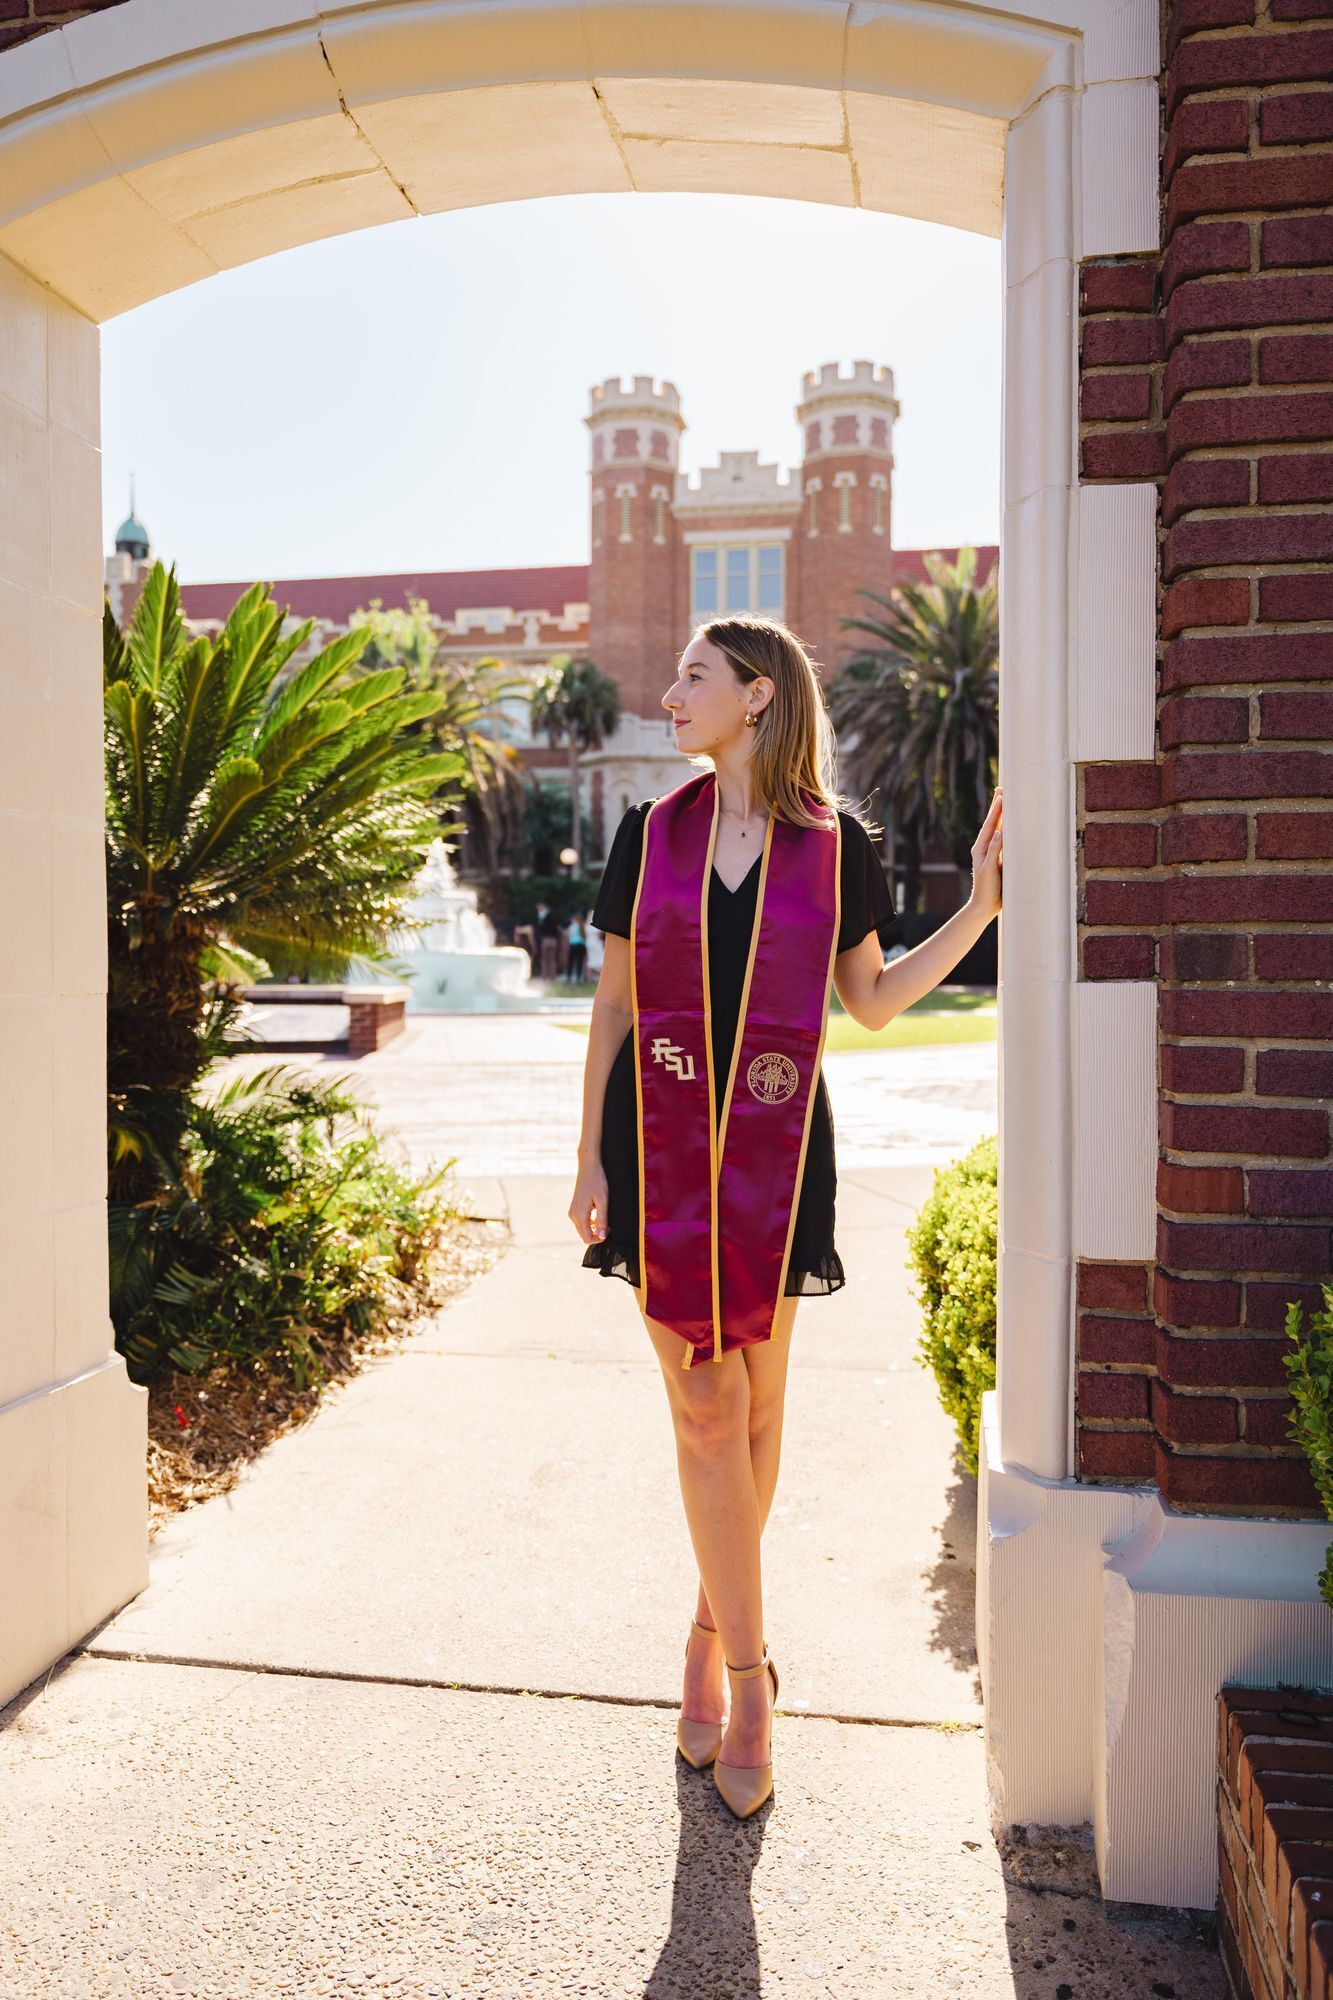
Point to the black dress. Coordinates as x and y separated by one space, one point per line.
815 1265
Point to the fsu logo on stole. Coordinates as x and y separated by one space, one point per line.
772 1078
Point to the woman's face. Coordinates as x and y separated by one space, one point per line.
707 702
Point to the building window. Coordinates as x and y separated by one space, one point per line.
812 508
625 494
844 505
877 519
597 500
749 576
659 514
704 582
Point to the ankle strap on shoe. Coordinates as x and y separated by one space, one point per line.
743 1673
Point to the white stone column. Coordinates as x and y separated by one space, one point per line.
73 1428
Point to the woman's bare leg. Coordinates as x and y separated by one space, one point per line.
727 1418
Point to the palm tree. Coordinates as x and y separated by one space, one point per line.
491 787
574 702
247 810
917 712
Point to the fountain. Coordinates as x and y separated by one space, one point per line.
456 965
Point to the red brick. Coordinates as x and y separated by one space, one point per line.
1111 1395
1297 119
1300 1016
1104 1338
1300 10
1188 1419
1244 1485
1184 1302
1204 836
1244 1128
1296 239
1188 1066
1268 1421
1248 774
1266 1306
1206 125
1205 600
1293 898
1307 955
1290 1192
1120 844
1303 418
1112 343
1127 787
1200 1190
1293 1072
1214 363
1303 476
1211 955
1296 357
1187 17
1124 455
1294 836
1117 398
1194 719
1242 1246
1117 956
1216 64
1288 599
1206 482
1259 657
1122 902
1123 285
1120 1288
1115 1454
1223 304
1308 713
1238 1362
1205 249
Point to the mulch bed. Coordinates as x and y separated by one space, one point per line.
204 1429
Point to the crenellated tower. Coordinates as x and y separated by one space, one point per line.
635 454
843 544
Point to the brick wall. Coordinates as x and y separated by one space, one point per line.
1207 869
1275 1842
20 20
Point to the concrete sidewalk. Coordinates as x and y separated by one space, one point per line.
396 1715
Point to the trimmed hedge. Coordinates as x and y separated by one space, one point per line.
953 1246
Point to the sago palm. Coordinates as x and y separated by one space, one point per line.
921 704
575 703
247 810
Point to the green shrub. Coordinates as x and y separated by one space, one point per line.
284 1223
953 1253
1310 1369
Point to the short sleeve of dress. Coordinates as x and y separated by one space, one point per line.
867 904
615 895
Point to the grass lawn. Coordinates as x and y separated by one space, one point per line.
940 1017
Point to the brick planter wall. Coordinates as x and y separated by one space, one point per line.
1208 371
22 19
1275 1842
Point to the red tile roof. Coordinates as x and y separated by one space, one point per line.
911 563
336 598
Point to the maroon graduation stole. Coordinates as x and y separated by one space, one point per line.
718 1198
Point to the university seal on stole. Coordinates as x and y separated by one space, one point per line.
772 1078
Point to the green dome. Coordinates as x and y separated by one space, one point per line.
132 536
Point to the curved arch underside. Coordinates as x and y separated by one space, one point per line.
160 141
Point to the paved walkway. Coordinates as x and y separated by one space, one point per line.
395 1717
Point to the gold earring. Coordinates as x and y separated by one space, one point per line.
749 718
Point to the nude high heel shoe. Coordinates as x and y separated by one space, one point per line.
744 1787
698 1742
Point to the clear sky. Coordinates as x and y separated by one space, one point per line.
412 397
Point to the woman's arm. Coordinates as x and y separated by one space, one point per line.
612 1018
874 993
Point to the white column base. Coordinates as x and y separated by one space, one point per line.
73 1515
1106 1623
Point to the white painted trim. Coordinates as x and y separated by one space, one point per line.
1115 683
1115 1118
739 537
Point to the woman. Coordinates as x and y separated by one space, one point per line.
705 1165
578 947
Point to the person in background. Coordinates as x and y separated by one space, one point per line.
550 931
578 947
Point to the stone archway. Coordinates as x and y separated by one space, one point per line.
148 145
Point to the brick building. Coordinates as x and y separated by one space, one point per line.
667 551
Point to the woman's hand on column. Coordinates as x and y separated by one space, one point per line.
587 1210
987 860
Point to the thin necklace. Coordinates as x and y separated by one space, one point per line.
731 815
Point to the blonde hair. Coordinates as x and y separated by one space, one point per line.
795 749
